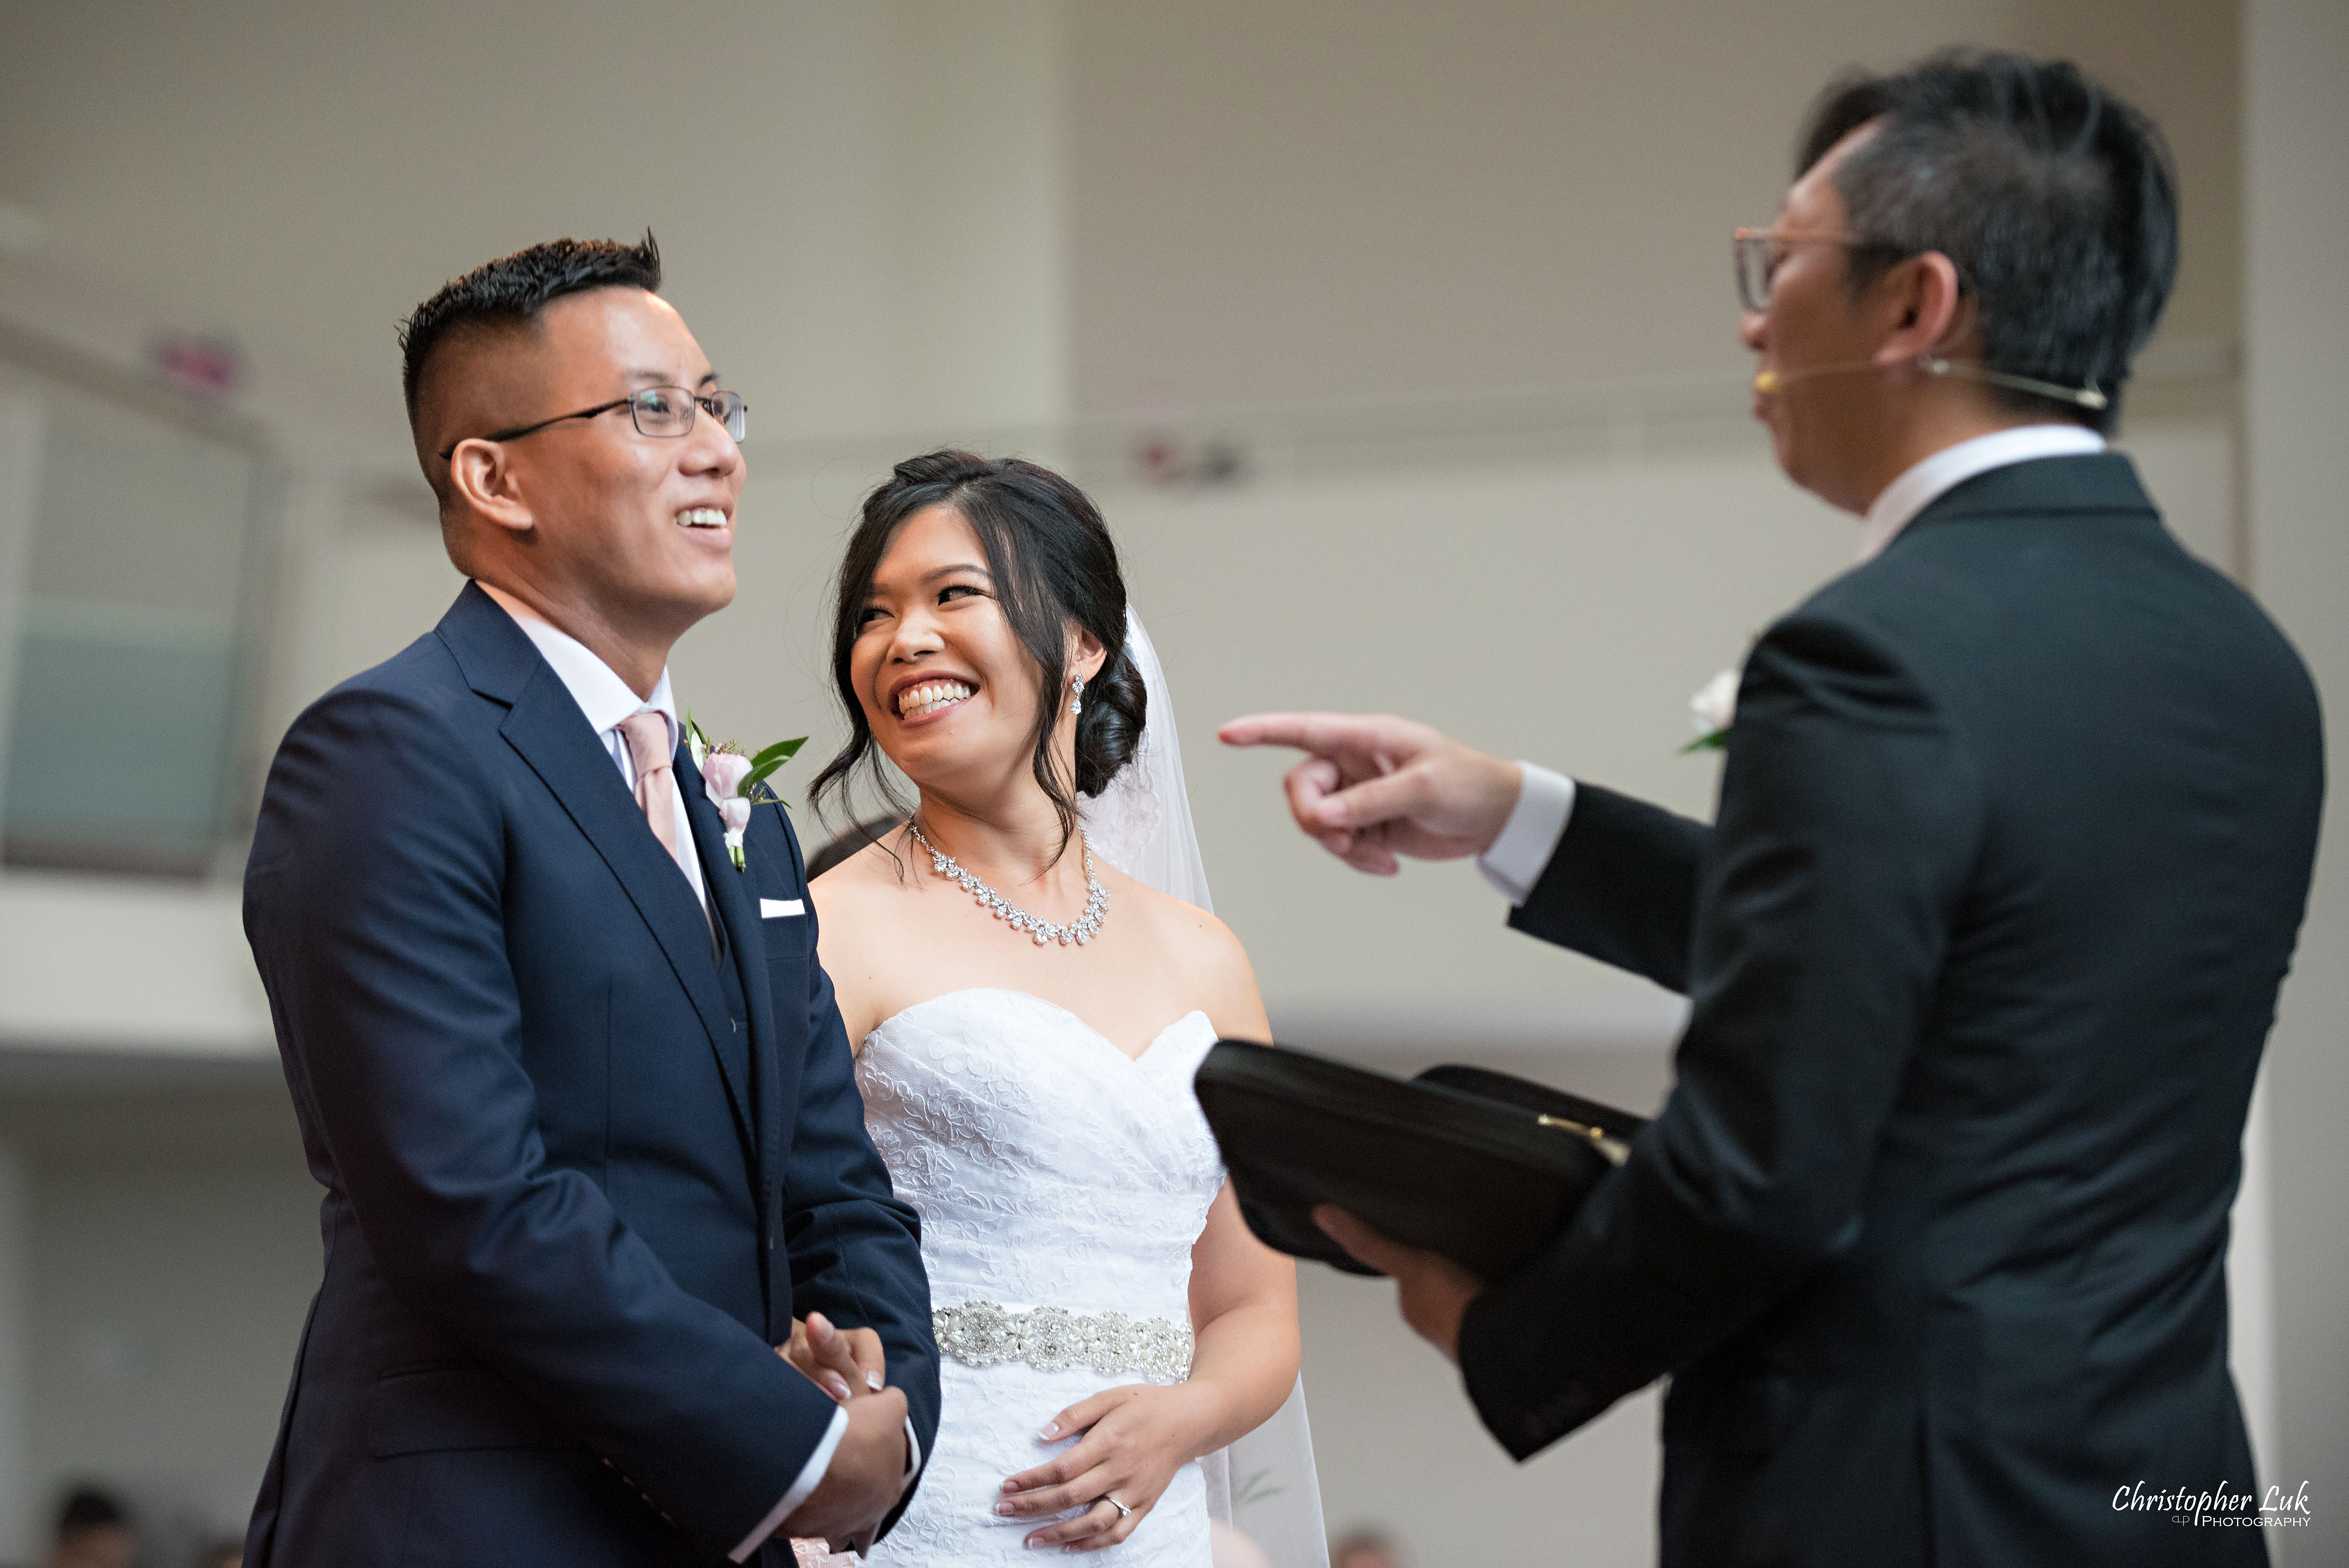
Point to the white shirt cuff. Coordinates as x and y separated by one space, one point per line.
1515 862
811 1477
913 1457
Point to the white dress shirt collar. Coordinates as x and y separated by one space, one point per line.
1929 481
602 695
607 700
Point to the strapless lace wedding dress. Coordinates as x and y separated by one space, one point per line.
1053 1172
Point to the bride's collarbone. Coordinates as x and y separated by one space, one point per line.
1129 1016
1117 993
922 941
1114 1030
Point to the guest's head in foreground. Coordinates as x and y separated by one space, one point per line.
1978 242
1230 1548
1364 1549
978 643
583 453
93 1532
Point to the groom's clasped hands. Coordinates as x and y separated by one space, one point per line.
839 1361
867 1473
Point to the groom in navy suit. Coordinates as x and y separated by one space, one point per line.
574 1084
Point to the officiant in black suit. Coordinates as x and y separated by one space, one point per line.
2013 843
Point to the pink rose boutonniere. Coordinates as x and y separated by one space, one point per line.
736 781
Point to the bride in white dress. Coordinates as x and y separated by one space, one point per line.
1028 1017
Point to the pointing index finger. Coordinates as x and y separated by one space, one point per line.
1323 734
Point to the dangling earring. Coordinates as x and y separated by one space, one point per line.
1076 696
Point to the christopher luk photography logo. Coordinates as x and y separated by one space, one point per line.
2217 1507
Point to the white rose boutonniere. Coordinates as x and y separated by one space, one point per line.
736 781
1712 709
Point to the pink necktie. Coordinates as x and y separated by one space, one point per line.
647 736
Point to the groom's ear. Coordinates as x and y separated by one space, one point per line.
483 480
478 378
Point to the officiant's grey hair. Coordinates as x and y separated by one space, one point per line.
1054 565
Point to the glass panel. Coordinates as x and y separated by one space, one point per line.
129 668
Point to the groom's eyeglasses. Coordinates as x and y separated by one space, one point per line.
664 411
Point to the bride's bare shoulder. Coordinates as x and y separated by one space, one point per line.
1206 952
850 890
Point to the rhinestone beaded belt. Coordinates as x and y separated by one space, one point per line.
983 1333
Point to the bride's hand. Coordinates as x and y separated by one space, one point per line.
1136 1439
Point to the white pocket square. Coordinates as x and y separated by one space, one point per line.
781 909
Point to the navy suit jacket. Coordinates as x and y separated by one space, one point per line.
583 1163
2014 841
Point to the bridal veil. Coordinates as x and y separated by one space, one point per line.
1263 1485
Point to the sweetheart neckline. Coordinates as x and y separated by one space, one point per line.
1135 1059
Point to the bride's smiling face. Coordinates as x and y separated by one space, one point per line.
949 690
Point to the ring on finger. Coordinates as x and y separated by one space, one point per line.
1122 1512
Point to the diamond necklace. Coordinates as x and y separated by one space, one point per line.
1080 930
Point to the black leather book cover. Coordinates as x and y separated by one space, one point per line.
1479 1166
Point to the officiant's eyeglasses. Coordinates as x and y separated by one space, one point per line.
1759 253
664 411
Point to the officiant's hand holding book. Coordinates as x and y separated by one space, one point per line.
1441 1182
1431 1291
1479 1167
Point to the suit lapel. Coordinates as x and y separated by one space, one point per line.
732 902
545 727
733 899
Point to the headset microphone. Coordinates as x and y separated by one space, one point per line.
1770 382
2088 397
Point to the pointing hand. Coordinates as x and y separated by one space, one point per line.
1374 787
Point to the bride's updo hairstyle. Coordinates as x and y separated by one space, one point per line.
1054 565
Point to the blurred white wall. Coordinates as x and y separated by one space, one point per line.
1327 199
860 204
2296 122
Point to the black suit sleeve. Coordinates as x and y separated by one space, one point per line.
374 905
855 1247
1849 815
1621 887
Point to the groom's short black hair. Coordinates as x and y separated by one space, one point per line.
511 291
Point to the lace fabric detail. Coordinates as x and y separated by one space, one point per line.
1048 1167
